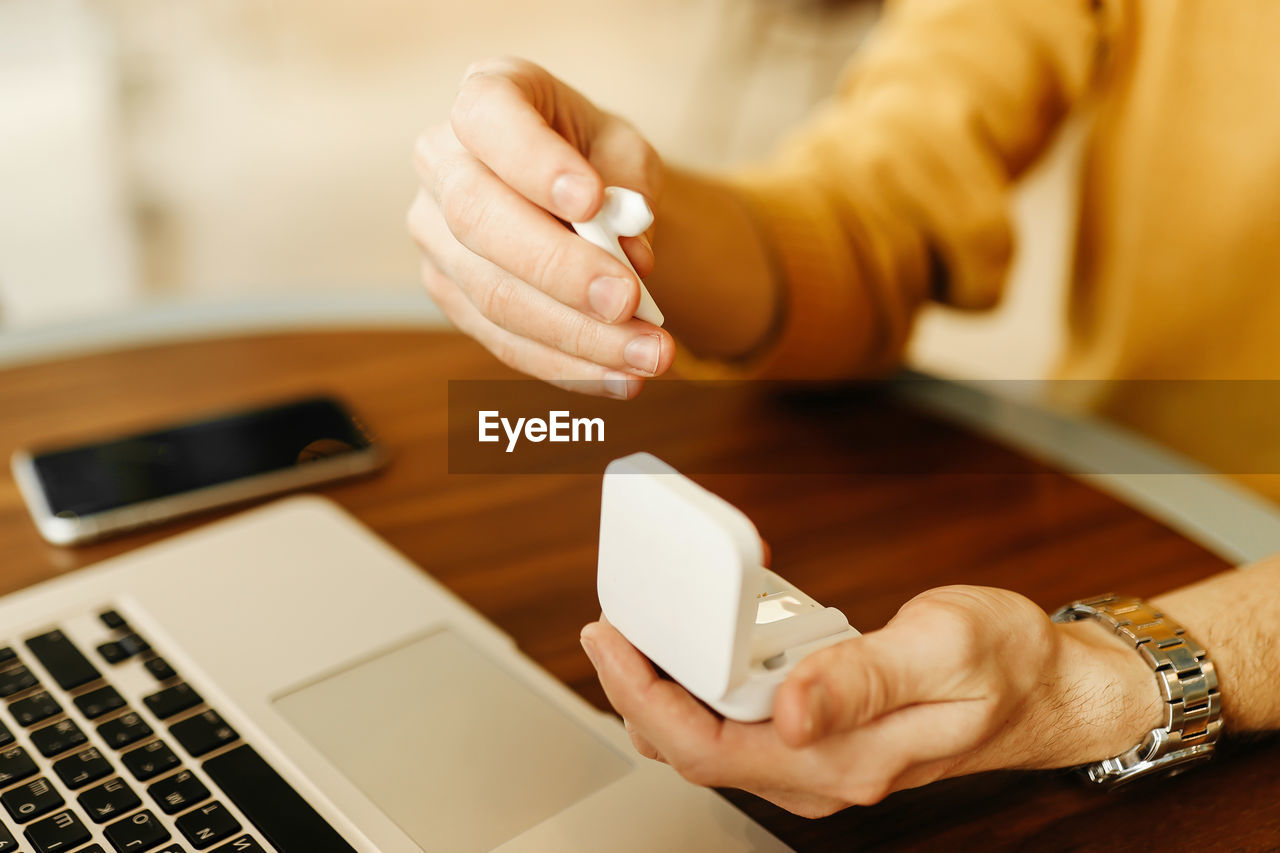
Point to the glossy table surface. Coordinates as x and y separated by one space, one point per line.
936 505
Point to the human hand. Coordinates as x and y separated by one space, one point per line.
521 150
963 679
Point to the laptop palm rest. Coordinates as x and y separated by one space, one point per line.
459 753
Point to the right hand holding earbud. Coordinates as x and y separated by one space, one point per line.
520 151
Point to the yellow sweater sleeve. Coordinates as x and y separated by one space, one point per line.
898 189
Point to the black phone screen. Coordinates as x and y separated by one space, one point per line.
94 478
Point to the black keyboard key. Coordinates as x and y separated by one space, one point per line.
150 760
15 765
113 620
172 700
30 801
172 848
279 812
6 736
80 769
128 646
132 645
59 737
178 792
16 680
95 703
7 654
66 663
141 831
208 825
112 653
8 844
203 733
33 709
57 834
109 800
159 667
124 730
92 848
243 844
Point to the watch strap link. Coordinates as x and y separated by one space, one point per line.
1187 681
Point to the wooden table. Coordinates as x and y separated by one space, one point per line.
521 547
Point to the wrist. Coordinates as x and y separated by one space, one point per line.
1098 699
715 279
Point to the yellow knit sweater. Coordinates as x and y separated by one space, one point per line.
898 191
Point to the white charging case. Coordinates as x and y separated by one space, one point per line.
680 576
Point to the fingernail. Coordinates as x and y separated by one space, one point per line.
815 721
572 194
608 297
642 353
590 648
617 385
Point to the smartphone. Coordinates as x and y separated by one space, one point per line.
83 492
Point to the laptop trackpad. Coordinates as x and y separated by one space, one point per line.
460 754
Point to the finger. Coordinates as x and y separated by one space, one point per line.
496 116
709 751
642 744
911 747
535 359
640 252
915 746
861 679
634 346
425 225
702 747
499 225
674 722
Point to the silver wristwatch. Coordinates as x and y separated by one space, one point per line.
1188 682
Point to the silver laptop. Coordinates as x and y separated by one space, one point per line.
284 681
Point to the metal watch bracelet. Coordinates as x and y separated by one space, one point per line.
1187 680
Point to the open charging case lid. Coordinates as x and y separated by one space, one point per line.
680 576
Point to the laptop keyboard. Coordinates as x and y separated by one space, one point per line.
111 750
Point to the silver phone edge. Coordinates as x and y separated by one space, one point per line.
85 529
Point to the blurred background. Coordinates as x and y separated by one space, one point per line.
242 155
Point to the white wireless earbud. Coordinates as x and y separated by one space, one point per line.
624 214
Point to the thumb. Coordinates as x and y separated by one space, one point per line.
854 682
